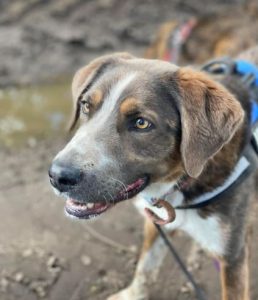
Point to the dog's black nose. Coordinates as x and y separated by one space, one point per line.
64 177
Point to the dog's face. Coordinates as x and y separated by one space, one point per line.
141 122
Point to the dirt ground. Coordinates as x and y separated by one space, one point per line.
44 254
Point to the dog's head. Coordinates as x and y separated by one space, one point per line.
143 123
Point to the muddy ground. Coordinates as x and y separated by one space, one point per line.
44 254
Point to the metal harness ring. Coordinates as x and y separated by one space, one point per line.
160 203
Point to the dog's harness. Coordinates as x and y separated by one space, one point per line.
248 74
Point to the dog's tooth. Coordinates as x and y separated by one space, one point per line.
90 205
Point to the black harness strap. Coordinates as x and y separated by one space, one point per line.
250 155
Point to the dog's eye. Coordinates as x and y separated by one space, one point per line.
85 107
141 123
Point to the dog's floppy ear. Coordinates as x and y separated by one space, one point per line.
85 77
210 115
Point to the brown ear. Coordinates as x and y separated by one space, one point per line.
85 76
210 115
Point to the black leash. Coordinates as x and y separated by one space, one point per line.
198 291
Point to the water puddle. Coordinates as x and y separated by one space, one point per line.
28 114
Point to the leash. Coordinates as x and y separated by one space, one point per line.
158 221
198 291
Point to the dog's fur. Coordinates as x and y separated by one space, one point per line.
201 127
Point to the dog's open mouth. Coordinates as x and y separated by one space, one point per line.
85 210
88 210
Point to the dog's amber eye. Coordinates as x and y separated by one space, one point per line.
85 107
142 123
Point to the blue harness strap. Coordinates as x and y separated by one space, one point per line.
249 71
246 68
254 113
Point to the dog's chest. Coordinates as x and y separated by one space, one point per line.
206 231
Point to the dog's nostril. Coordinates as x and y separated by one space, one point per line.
67 180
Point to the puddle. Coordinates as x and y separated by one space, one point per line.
28 114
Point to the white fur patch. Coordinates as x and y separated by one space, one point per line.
110 102
206 231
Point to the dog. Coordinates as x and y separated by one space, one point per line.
150 129
224 33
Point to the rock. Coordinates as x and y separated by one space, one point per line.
27 253
186 288
86 260
52 262
18 277
39 287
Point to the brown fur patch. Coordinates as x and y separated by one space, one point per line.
96 98
235 279
150 235
210 116
129 105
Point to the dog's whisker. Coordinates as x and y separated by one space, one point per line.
106 201
123 185
111 198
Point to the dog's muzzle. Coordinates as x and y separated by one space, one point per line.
87 194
